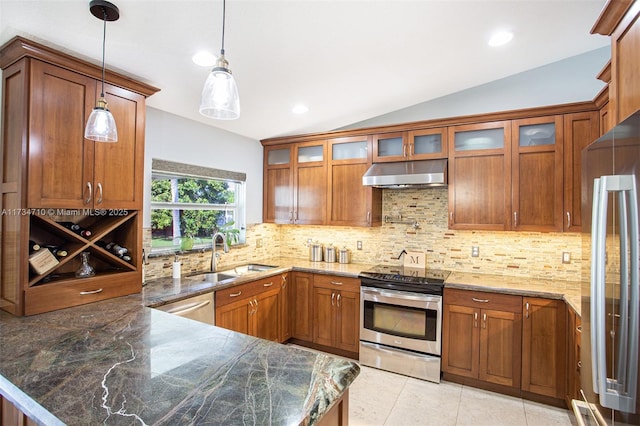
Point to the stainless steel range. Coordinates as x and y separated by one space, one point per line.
401 320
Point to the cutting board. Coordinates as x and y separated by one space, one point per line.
415 260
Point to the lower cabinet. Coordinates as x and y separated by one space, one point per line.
301 310
482 336
574 333
253 308
10 415
544 347
336 307
518 343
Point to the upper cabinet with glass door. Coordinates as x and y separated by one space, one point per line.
420 144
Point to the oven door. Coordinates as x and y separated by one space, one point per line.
401 319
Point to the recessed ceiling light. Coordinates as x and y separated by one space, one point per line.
500 38
299 109
204 59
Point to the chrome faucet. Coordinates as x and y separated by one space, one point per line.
214 255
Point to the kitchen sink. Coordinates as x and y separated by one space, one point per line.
214 277
247 269
228 274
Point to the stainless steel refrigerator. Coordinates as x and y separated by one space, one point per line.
610 308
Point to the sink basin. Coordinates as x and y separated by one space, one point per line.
247 269
214 277
227 274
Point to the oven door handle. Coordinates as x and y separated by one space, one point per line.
376 294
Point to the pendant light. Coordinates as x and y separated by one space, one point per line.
220 94
101 127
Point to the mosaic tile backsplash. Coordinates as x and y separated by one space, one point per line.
525 254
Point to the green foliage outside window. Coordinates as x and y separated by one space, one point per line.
194 223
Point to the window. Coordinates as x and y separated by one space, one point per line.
188 202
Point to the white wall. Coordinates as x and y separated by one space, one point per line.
566 81
173 138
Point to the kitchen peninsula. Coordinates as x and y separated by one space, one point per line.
118 362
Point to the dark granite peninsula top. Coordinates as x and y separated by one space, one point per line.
117 362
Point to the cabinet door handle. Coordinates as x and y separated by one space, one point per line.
480 300
579 364
333 297
267 284
404 151
368 218
526 308
84 293
451 216
251 311
235 294
256 302
515 218
568 220
484 320
99 191
411 150
290 216
579 329
88 199
284 281
475 320
338 300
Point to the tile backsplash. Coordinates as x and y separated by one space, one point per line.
529 254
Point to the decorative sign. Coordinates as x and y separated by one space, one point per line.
415 260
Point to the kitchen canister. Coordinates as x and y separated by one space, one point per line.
315 252
344 255
330 254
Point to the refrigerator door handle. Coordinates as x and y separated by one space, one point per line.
619 393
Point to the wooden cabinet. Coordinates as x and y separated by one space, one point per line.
480 176
301 308
537 174
544 347
510 175
421 144
285 306
51 174
253 308
574 333
482 335
349 202
580 129
336 307
295 177
68 171
11 415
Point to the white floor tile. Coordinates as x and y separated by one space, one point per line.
378 397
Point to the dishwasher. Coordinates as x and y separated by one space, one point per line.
199 308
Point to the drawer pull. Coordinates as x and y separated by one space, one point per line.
336 283
267 284
235 294
84 293
480 300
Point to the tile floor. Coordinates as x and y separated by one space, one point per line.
378 397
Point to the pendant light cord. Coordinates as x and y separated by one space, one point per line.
104 38
224 14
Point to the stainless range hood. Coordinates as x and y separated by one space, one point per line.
407 174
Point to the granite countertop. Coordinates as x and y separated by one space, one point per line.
117 362
164 290
569 291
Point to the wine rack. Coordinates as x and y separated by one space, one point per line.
121 228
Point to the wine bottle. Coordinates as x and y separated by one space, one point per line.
117 249
33 246
83 232
57 251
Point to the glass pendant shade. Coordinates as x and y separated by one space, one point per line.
101 127
220 94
